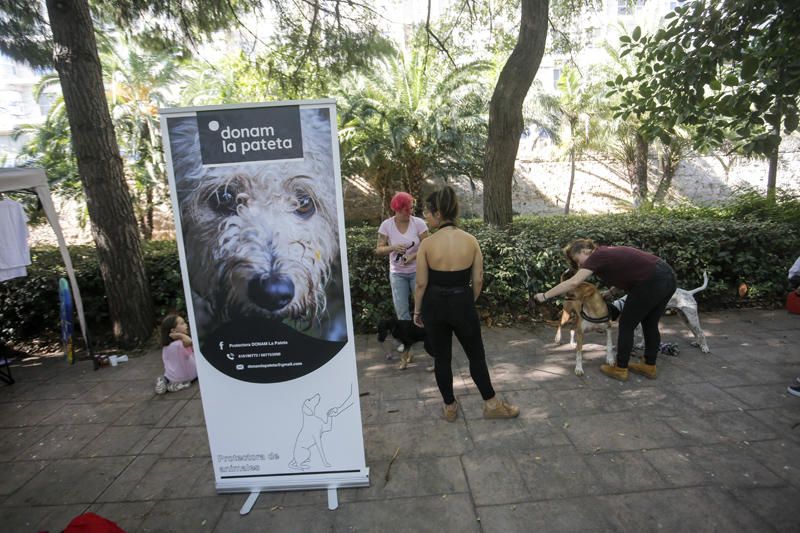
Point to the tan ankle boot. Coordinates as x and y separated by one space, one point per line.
500 409
450 411
648 371
614 372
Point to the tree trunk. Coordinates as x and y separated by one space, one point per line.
772 174
670 160
571 178
100 166
149 210
415 180
640 172
668 166
505 111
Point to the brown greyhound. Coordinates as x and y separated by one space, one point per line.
590 313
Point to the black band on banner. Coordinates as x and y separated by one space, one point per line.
246 135
293 474
272 352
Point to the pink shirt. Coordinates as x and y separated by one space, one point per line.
179 363
416 227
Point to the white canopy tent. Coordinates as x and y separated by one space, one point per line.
15 179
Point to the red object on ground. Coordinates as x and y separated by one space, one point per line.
92 523
793 303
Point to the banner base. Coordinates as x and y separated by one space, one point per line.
333 499
249 503
255 485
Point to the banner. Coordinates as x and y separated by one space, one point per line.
256 193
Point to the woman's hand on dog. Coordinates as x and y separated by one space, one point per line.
418 320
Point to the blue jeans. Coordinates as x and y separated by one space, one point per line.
403 286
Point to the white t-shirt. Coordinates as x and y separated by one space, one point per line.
14 252
795 269
416 227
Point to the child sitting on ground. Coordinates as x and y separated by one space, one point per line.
180 367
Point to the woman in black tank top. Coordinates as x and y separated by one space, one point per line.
445 305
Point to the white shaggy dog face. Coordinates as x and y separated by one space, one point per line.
261 239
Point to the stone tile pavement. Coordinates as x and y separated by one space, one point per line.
712 445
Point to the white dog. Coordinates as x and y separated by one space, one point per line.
683 301
261 239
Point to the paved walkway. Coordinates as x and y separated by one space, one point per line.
712 445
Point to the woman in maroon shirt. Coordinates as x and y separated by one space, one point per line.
649 282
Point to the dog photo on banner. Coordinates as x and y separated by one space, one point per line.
262 244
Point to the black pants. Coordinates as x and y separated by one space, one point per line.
449 310
645 304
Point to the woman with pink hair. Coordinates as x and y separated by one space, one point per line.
399 237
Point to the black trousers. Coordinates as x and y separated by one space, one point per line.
644 305
447 311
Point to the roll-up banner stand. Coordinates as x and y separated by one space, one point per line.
259 216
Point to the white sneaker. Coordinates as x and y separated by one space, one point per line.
175 386
401 348
161 385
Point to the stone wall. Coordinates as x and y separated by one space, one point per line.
540 187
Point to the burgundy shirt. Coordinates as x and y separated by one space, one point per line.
621 266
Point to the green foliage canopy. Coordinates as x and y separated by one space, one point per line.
730 68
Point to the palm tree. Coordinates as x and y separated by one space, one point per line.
577 104
49 145
626 143
669 157
136 83
414 118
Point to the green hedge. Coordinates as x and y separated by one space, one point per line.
520 259
29 306
526 257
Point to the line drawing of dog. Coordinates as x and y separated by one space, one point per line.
261 239
310 435
684 302
406 332
312 429
586 308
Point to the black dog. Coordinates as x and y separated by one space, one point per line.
406 332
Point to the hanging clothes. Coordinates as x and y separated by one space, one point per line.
14 252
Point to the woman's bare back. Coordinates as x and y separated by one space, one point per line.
450 250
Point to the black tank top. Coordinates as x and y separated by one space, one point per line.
457 278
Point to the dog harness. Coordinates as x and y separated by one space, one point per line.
591 319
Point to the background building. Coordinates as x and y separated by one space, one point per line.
19 105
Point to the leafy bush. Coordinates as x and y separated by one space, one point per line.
748 204
29 306
526 258
519 260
